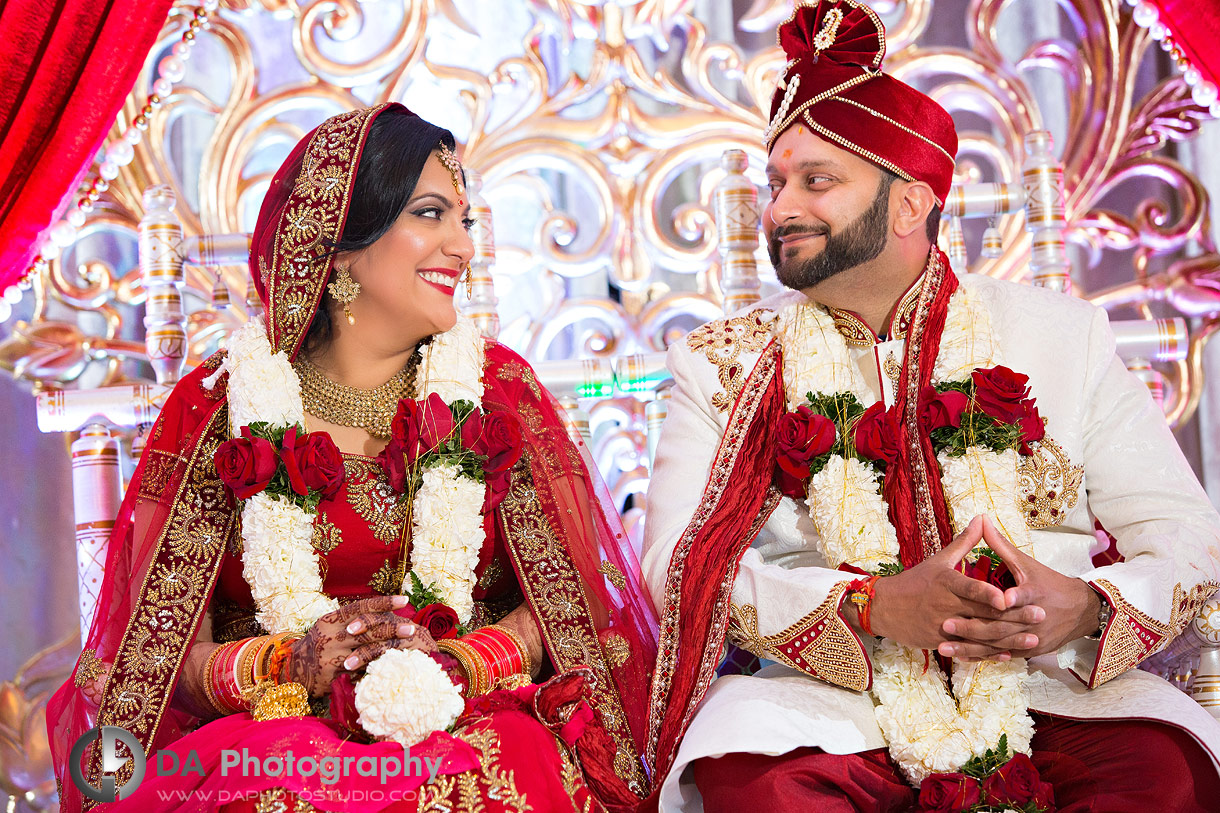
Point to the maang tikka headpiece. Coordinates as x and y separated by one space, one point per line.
450 161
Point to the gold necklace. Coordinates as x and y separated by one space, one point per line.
371 410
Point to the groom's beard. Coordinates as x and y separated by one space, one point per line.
857 243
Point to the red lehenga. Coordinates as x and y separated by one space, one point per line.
554 542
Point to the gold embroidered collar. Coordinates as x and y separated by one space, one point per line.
856 331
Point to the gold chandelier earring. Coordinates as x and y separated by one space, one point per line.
344 290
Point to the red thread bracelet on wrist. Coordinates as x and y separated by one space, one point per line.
862 592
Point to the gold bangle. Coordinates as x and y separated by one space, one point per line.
246 660
477 679
207 682
527 666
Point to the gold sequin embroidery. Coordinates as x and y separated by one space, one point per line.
613 574
369 493
386 580
723 341
511 371
87 668
821 644
466 791
1132 635
617 650
1049 485
326 535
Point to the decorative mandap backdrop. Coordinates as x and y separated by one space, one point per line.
598 129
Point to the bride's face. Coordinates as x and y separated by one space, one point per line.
408 276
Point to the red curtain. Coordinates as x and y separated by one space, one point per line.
65 68
1195 27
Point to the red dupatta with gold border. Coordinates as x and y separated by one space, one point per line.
177 517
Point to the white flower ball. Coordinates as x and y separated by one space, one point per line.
405 695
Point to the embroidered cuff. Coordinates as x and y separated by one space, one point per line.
1132 635
821 644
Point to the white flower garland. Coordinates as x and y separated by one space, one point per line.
927 729
447 523
279 562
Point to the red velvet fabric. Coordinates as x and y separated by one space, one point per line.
65 68
889 131
1094 766
1195 26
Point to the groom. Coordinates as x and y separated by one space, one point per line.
859 167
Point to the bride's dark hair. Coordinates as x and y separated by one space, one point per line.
398 145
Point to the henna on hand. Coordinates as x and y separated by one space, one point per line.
362 656
317 658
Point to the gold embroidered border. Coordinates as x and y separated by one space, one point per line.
740 418
553 587
1132 635
722 343
856 332
773 134
310 223
513 371
821 644
173 598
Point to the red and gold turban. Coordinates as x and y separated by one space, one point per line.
833 84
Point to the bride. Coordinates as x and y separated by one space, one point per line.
360 537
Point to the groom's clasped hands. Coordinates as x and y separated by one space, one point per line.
935 606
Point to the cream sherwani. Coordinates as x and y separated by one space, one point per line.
1108 454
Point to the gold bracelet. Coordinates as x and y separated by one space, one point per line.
527 666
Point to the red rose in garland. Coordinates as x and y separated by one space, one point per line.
803 435
436 423
500 442
439 620
322 464
876 434
1013 783
404 430
400 454
1032 429
949 793
472 429
246 464
941 409
1045 797
292 449
1002 393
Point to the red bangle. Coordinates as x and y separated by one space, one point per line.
498 651
862 592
